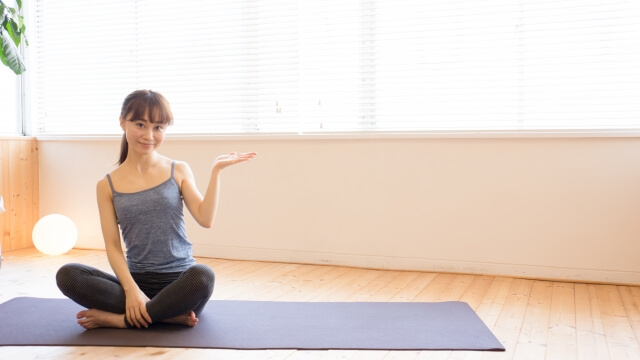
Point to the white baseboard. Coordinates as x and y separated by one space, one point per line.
419 264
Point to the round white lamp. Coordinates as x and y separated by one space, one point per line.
54 234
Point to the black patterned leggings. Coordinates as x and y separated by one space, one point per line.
171 294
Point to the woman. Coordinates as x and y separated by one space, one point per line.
158 281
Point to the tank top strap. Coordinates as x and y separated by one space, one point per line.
173 166
113 191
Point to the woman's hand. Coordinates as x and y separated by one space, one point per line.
136 311
223 161
204 208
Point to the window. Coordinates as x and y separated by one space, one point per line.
10 123
307 66
10 96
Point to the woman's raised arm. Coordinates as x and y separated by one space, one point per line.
203 208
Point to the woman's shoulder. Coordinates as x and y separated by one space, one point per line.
182 172
180 167
108 177
104 181
103 187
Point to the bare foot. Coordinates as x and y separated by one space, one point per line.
189 319
93 318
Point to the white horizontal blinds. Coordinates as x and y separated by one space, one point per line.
194 55
296 66
447 64
225 66
507 65
272 57
581 64
84 61
330 65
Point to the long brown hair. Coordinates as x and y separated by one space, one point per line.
139 104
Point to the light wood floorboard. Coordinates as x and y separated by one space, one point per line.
534 319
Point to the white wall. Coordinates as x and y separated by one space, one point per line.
561 208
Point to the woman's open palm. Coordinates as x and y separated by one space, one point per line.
225 160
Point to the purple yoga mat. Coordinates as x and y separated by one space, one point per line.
228 324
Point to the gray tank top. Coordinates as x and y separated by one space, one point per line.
153 229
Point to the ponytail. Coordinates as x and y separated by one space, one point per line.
124 149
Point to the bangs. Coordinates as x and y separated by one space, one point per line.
159 111
150 105
158 115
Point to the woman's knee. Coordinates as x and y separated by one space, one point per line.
67 274
201 275
201 271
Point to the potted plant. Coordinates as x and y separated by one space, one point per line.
12 30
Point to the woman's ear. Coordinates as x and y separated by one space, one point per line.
121 123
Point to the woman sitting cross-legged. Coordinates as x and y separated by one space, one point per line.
142 199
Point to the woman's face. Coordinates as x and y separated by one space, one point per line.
143 136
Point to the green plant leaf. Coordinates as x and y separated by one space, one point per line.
10 55
2 15
14 31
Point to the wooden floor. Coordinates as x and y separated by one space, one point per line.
533 319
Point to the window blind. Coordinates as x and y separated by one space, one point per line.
9 102
305 66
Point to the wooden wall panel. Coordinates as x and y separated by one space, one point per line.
19 186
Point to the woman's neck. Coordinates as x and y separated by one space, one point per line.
142 164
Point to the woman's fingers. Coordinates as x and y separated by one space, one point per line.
246 154
141 319
137 319
133 319
242 156
231 158
145 317
234 157
130 319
